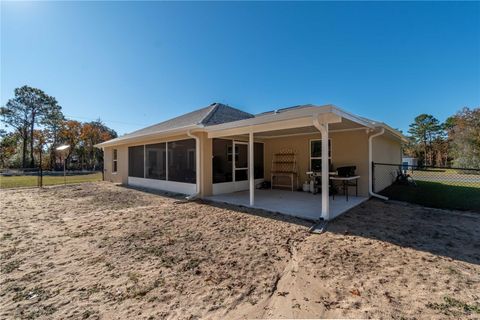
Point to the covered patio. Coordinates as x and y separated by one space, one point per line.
319 140
298 204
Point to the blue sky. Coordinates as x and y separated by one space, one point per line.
133 64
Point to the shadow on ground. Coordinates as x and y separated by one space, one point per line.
441 232
180 198
464 196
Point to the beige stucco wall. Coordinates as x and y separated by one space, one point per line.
348 148
385 149
122 164
206 164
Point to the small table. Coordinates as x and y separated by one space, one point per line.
345 181
318 174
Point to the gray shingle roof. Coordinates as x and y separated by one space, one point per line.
284 109
216 113
223 114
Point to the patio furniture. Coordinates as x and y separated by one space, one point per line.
347 182
315 176
284 165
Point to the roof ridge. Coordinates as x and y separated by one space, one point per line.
167 120
210 113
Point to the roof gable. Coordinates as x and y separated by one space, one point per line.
216 113
223 114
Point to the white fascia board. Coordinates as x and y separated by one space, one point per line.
395 132
285 120
269 126
271 117
370 124
347 115
269 122
141 137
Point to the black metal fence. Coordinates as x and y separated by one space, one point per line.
36 177
440 187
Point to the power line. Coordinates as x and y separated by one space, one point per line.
114 121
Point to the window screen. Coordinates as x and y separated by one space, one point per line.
222 160
156 161
181 161
258 160
135 161
115 161
316 154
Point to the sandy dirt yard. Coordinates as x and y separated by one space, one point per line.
99 251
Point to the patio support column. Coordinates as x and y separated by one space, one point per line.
251 177
323 128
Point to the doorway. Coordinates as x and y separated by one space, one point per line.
230 169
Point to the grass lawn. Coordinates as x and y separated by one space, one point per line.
32 181
438 195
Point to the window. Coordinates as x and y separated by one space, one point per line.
156 165
241 161
223 154
222 166
316 154
115 161
136 161
181 161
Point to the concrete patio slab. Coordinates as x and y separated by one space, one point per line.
293 203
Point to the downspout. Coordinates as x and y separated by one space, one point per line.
103 169
370 159
197 166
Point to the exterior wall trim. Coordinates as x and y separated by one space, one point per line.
234 186
310 133
171 186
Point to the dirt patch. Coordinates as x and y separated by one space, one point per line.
101 251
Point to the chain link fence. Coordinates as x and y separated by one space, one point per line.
36 177
438 187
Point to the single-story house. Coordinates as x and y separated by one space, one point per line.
225 154
409 161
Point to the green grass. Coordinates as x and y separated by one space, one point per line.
438 195
452 306
32 181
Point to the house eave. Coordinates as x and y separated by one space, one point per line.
302 117
142 137
288 118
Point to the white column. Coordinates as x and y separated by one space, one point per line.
323 128
325 173
251 178
198 164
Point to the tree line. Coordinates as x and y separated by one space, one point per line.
453 143
36 126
